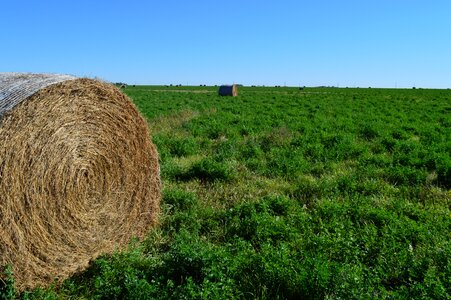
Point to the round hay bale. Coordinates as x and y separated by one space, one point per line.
79 176
228 90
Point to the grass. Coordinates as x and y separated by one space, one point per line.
287 193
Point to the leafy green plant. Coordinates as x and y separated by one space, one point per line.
7 289
210 170
286 193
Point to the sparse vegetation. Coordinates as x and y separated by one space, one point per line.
288 193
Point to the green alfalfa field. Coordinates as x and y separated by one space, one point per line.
314 193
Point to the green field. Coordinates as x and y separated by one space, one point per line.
288 193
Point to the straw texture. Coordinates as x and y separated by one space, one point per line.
79 177
228 90
16 87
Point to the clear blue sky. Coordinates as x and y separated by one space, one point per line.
384 43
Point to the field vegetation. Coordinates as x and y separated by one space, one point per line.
319 193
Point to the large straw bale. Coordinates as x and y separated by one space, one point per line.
79 177
228 90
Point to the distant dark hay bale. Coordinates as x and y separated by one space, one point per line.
79 177
228 90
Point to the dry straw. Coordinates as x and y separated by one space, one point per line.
228 90
79 177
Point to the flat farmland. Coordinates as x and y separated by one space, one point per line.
290 193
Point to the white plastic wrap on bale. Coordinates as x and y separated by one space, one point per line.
16 87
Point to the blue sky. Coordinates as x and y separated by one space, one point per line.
384 43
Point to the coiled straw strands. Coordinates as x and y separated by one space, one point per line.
79 177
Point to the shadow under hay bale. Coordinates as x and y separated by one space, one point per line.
79 177
228 90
